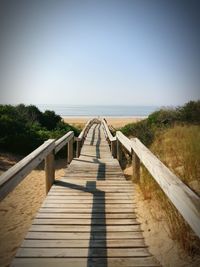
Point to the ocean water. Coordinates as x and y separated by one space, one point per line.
108 111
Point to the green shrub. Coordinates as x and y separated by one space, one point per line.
24 128
49 120
141 130
161 119
190 112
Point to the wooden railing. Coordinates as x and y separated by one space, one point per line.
111 139
47 151
81 138
183 198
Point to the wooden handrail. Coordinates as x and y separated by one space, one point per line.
107 131
12 177
85 129
183 198
80 139
111 139
63 141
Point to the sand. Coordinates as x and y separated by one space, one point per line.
116 122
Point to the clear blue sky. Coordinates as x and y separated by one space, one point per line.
141 52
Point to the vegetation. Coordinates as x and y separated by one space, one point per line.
173 135
179 149
162 119
24 128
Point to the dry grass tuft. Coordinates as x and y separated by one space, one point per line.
179 149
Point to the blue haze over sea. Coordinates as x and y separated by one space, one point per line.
100 110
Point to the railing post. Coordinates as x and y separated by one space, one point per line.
49 171
70 150
114 148
78 147
135 166
119 151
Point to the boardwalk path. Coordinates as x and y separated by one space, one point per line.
88 217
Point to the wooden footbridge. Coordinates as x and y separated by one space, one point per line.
88 217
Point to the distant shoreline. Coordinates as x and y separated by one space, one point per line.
115 121
109 117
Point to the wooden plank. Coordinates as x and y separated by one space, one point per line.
86 205
105 183
83 262
84 235
87 201
83 228
81 252
86 221
90 197
60 143
93 191
88 210
75 195
87 215
127 243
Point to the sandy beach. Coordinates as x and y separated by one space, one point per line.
116 122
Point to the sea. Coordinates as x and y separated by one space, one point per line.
99 110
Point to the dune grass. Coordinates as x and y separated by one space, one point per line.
179 149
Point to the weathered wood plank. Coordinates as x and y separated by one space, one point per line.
83 228
81 252
86 215
87 205
86 221
88 201
127 243
84 235
88 210
83 262
60 143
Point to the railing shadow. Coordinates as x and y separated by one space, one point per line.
96 248
93 135
101 173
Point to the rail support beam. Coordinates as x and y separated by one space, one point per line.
49 170
70 151
135 166
119 151
78 147
114 148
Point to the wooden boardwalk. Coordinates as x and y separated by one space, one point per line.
88 217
